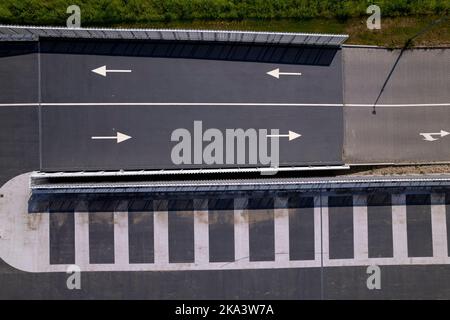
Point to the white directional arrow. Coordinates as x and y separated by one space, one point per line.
276 73
120 137
291 135
429 136
103 71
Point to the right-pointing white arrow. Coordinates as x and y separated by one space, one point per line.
119 137
429 135
276 73
291 135
103 71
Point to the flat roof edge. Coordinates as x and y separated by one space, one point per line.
178 34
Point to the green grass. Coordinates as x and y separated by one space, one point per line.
394 31
401 19
104 12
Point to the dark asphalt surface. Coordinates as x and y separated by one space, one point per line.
163 76
398 282
67 132
180 73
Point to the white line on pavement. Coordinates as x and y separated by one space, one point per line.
225 104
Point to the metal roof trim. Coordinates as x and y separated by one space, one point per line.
186 34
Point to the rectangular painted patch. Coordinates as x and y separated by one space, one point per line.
101 237
62 238
379 219
340 221
221 230
447 219
140 237
418 223
261 229
181 232
301 228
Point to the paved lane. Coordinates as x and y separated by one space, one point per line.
420 76
67 132
392 135
19 73
189 73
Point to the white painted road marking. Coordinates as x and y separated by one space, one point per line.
399 237
26 244
281 226
103 71
291 135
121 248
201 237
48 104
81 239
276 73
439 225
161 237
429 136
360 227
241 233
119 137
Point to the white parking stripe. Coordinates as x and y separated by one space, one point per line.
241 233
161 237
82 239
360 227
201 237
325 230
43 237
365 105
399 228
281 225
121 249
317 230
439 225
24 242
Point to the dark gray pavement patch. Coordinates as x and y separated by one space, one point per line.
101 237
397 282
340 227
261 231
62 238
447 220
192 285
379 228
221 235
140 237
418 221
301 228
19 72
181 236
19 141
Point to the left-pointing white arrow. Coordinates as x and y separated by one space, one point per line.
276 73
120 137
291 135
103 71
